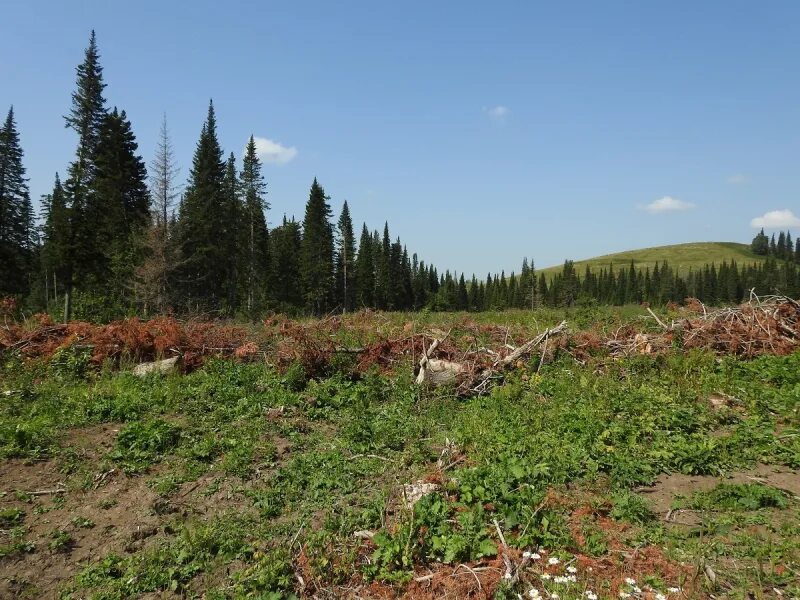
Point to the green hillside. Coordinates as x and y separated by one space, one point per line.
680 256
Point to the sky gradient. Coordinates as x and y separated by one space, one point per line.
483 132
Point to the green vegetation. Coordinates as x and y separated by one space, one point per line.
255 476
681 257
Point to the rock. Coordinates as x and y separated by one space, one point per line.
163 367
414 492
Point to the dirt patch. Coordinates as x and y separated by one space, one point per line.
96 521
99 508
667 487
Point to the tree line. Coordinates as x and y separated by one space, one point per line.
115 238
781 247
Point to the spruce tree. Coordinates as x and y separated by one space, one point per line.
383 276
365 271
86 118
760 244
254 227
316 251
119 187
56 239
285 240
230 248
16 213
204 268
345 259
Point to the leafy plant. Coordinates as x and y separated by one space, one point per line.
142 443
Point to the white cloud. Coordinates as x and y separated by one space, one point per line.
738 179
498 113
775 219
270 151
667 204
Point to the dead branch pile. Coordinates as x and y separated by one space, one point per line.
129 338
767 325
477 370
471 356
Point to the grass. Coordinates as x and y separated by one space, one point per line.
555 460
682 257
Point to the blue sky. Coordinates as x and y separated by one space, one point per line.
483 132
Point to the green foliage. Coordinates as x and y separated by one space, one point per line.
432 532
60 541
142 443
295 379
269 576
308 468
11 516
630 507
71 362
739 497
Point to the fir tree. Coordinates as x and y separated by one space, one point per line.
56 239
365 271
285 254
204 268
16 213
86 118
760 244
256 236
316 251
120 188
345 259
229 246
383 276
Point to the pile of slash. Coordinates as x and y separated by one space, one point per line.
470 356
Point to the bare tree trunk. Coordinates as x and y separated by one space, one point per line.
68 302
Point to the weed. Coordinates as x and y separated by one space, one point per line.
60 541
142 443
11 516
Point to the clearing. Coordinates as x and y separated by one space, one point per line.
620 460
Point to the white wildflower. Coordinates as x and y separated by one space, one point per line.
637 590
624 595
527 554
546 576
572 569
507 576
572 578
560 579
534 594
536 556
554 596
630 581
591 595
553 560
674 590
660 596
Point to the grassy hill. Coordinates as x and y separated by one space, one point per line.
680 256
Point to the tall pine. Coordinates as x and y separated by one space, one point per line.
255 238
16 213
316 251
86 117
345 260
364 296
119 188
204 269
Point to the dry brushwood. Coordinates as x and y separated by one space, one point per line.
475 377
